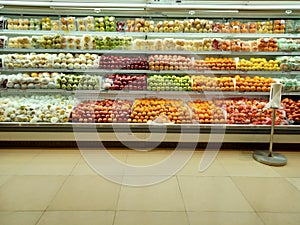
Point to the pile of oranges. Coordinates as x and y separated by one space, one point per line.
292 109
279 26
267 45
206 112
205 83
149 109
255 84
215 64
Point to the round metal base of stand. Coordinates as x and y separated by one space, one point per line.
274 160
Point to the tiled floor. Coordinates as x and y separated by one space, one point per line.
58 187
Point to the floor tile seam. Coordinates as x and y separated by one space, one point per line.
255 210
156 154
154 211
260 218
22 210
281 211
48 173
220 211
142 210
294 186
183 201
56 193
224 167
76 164
187 211
119 195
253 176
80 210
114 218
151 175
28 175
24 165
199 176
257 177
273 169
222 162
40 217
15 173
242 193
297 213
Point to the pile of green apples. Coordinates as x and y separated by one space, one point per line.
107 23
169 83
47 41
68 81
113 42
71 82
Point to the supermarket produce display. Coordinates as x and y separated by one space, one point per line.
125 70
37 108
133 42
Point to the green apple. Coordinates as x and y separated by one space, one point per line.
69 87
63 80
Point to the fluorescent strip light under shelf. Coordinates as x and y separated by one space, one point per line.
100 9
216 11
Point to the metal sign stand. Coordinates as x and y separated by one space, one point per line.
268 157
